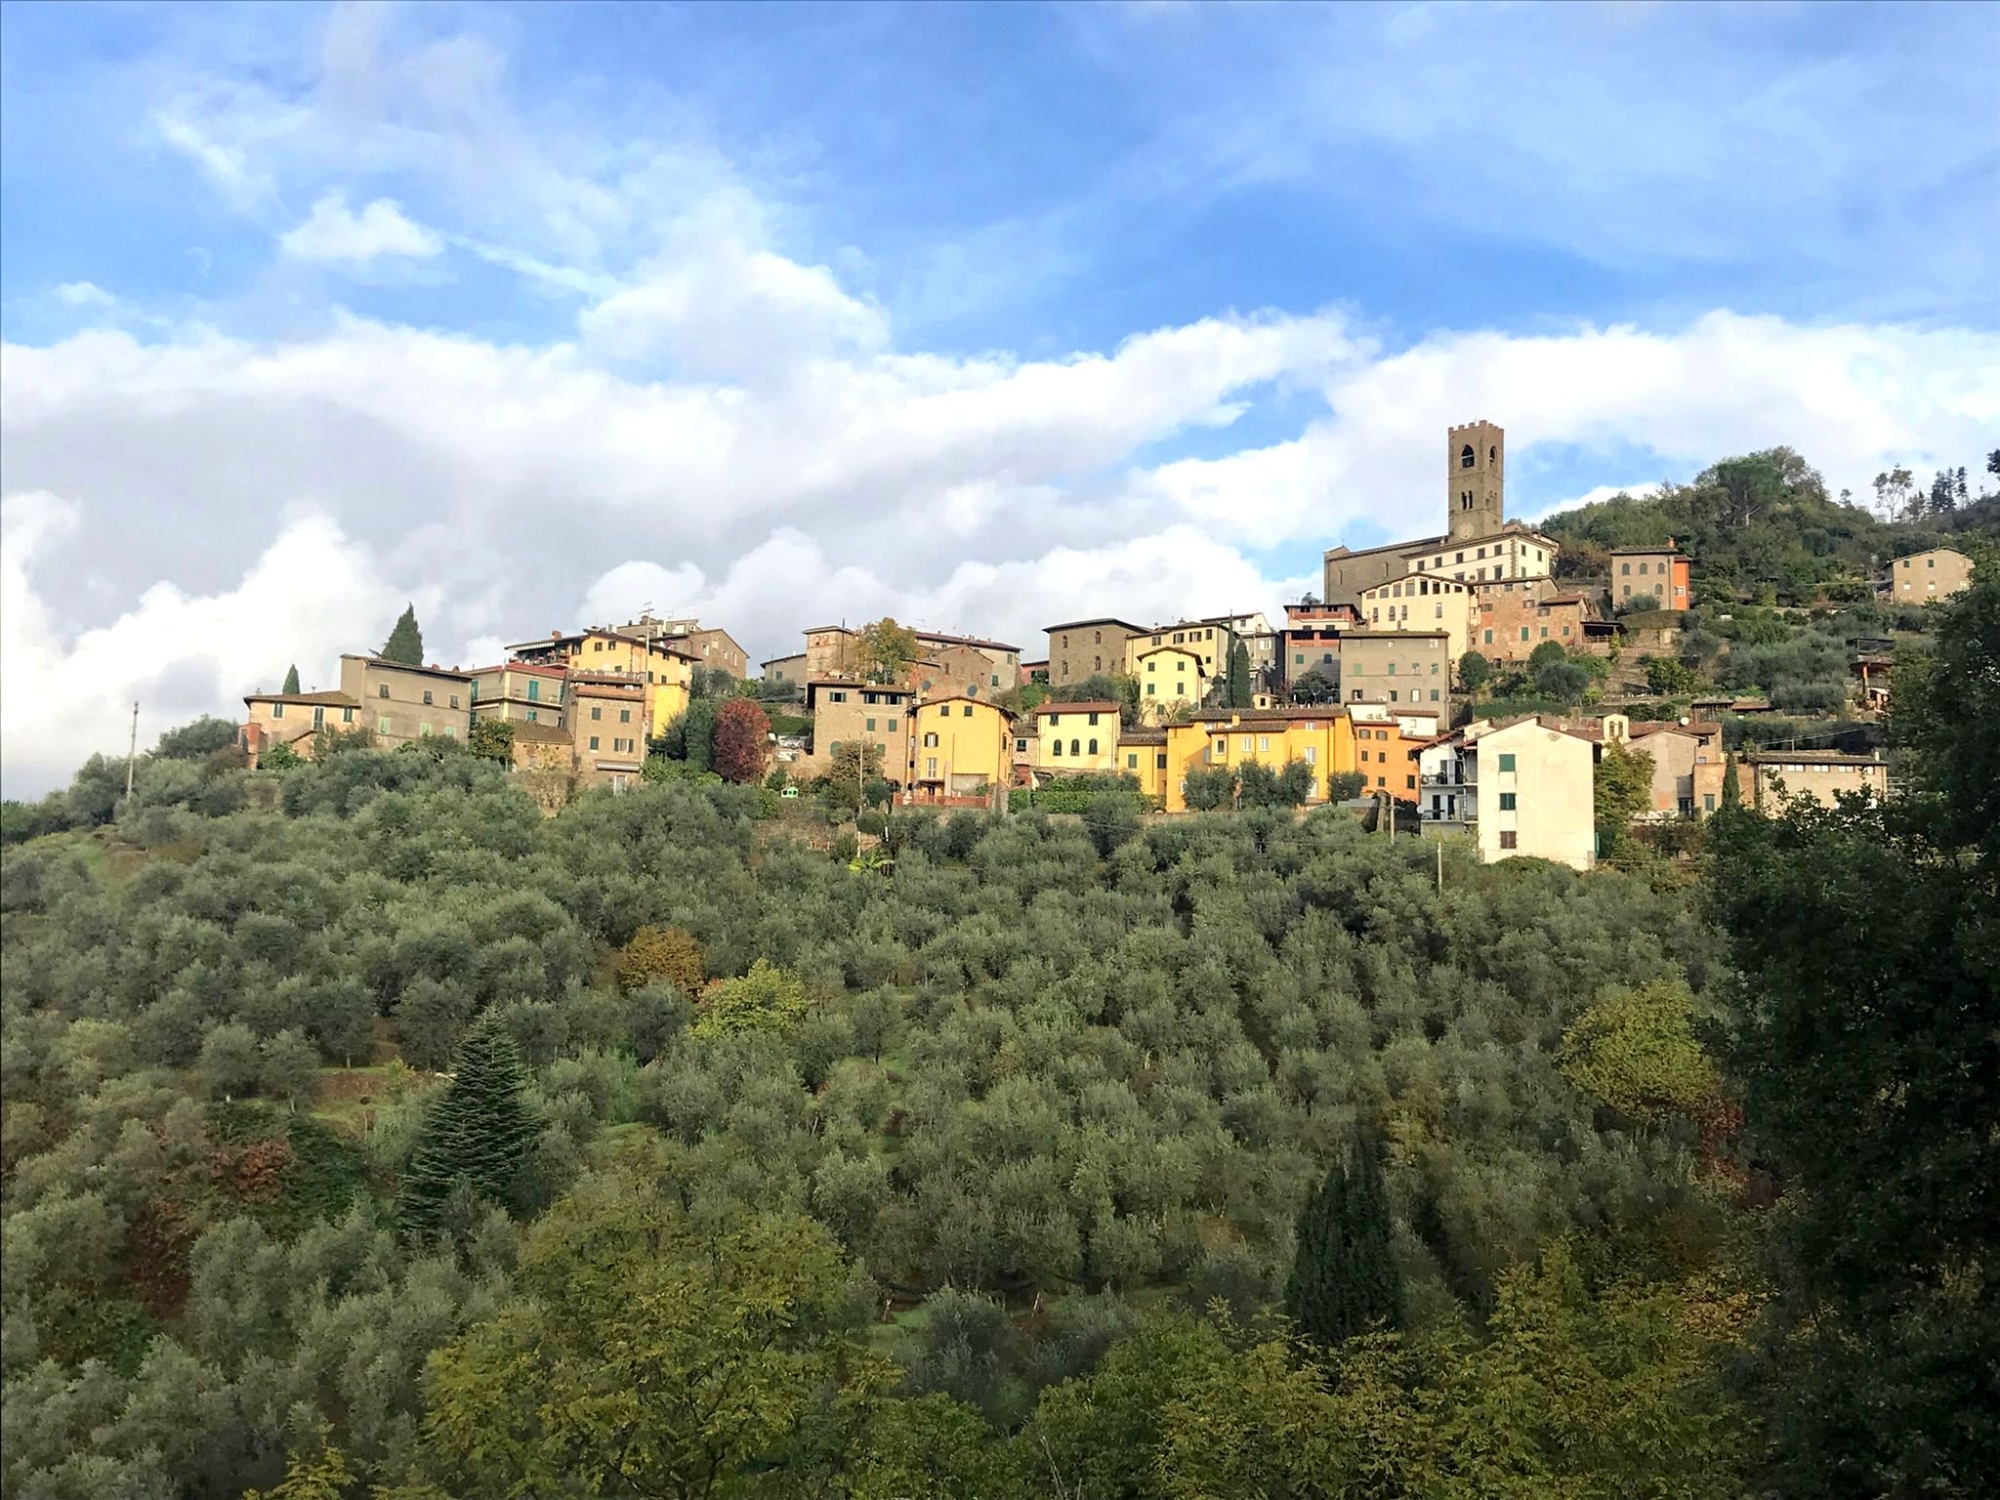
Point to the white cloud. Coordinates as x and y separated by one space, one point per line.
177 655
509 487
84 294
334 234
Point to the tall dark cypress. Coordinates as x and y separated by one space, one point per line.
479 1132
291 680
406 641
1344 1277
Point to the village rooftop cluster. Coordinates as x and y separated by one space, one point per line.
1355 692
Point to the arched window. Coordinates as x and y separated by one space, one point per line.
1466 457
1493 454
1055 747
1093 747
1073 747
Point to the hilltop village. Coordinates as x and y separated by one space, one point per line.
1480 682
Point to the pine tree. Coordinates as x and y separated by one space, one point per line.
479 1132
406 641
291 680
1344 1276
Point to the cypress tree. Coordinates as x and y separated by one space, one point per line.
1240 684
291 680
1344 1278
479 1132
406 641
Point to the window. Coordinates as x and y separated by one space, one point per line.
533 716
1466 457
870 726
1093 747
319 716
1410 783
1299 660
1245 746
277 710
624 716
593 742
1093 721
1625 567
1708 802
1149 689
596 712
1489 637
833 697
1506 762
1055 747
427 695
381 726
1020 747
1132 761
454 700
1097 662
1312 755
893 723
1073 750
1507 801
1524 632
382 691
1055 718
347 716
534 690
1508 840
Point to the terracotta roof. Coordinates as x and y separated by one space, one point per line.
516 666
1809 758
1105 620
1142 737
1646 551
318 700
967 698
537 733
1093 705
1640 731
963 640
385 664
1398 635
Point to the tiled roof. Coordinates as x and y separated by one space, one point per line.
384 664
1809 758
1104 620
540 734
962 640
1094 706
1142 737
319 700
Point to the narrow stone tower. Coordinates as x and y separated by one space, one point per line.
1475 480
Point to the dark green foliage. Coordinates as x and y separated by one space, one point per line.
1108 687
406 641
1210 787
1868 941
291 679
477 1134
492 739
1315 687
1241 683
1343 785
196 741
1474 671
1344 1278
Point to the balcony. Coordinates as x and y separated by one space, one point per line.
1459 775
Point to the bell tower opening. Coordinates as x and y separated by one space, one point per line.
1476 486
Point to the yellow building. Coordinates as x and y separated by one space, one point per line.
1322 737
1922 576
1142 753
960 747
1071 737
663 669
1422 602
1209 643
1169 676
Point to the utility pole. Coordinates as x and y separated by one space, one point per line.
132 754
1440 853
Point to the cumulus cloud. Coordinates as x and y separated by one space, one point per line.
514 488
69 692
334 234
84 294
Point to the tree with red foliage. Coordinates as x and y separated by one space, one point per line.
741 740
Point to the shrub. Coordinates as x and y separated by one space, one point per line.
669 953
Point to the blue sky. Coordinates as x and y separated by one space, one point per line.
974 313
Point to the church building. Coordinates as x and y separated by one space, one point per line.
1480 547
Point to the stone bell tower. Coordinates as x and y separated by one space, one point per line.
1475 480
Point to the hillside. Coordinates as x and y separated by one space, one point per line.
1764 521
364 1125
